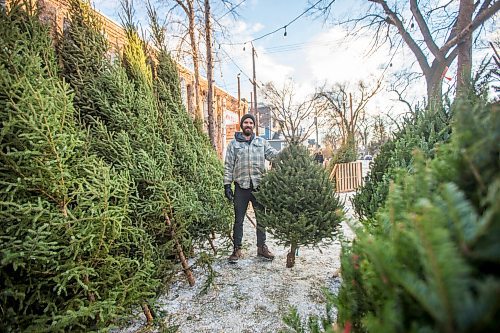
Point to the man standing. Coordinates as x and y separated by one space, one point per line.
244 165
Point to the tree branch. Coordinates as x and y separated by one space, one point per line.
424 29
394 19
483 14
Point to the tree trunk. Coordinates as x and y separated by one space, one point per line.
290 257
190 105
90 295
210 66
464 57
434 82
211 241
194 49
180 252
147 313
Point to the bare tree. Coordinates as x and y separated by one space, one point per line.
441 23
210 67
296 120
344 108
197 31
363 129
189 10
380 133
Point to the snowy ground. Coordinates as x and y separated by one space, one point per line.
253 295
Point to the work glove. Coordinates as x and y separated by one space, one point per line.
228 192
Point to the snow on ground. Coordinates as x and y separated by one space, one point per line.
254 294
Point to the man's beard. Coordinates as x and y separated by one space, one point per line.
247 131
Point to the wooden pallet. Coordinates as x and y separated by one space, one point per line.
347 176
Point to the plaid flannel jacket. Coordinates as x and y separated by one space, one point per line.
245 161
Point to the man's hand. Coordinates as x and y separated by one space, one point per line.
228 192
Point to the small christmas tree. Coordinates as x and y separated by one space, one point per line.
301 208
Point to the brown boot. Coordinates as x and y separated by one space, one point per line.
263 251
235 256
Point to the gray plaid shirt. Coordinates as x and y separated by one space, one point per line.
245 161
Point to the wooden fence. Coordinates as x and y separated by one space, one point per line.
347 176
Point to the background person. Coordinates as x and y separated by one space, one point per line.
318 157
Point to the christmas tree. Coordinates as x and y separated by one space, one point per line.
196 164
138 123
121 116
423 130
82 51
429 262
301 208
71 258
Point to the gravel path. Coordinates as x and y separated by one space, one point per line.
254 294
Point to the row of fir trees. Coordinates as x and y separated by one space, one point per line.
426 256
106 182
428 259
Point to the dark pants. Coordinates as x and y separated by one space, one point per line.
241 199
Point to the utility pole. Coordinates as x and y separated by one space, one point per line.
255 92
251 103
239 96
316 123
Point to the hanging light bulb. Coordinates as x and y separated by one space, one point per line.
284 35
244 46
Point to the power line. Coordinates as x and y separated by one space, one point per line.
232 9
263 36
234 62
277 29
298 48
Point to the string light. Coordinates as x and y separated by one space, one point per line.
263 36
277 29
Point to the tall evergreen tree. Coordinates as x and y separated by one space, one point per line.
71 259
82 50
142 127
301 208
196 163
425 130
430 260
120 112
